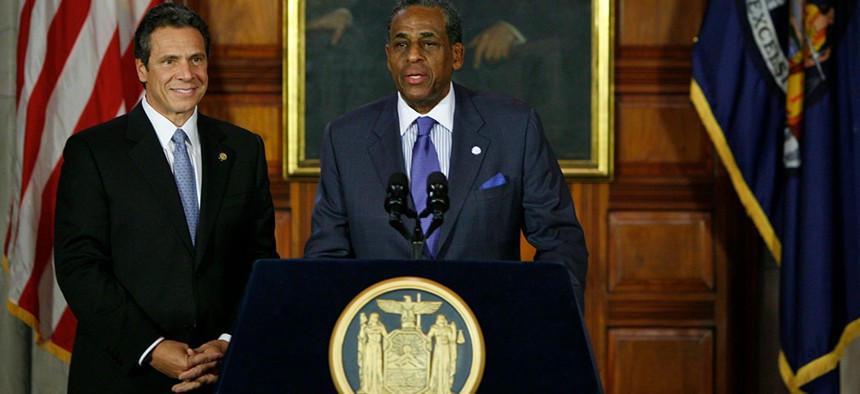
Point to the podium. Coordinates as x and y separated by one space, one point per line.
531 331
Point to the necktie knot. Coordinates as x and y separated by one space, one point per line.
179 137
425 124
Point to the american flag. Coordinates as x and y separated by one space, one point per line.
75 69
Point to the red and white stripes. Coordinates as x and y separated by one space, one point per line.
75 69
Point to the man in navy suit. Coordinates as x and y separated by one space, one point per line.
153 266
503 176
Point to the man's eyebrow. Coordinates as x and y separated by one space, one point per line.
175 56
423 34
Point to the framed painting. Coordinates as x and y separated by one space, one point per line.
555 55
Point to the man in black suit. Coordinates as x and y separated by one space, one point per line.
502 174
154 266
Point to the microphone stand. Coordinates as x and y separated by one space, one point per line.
417 238
418 235
417 241
395 205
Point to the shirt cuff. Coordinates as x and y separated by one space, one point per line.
148 351
225 337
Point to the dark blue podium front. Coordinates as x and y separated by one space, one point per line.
533 332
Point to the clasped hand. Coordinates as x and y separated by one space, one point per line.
194 367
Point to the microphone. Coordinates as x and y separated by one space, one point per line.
437 200
395 199
437 194
395 202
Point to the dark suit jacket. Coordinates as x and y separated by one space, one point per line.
124 258
492 135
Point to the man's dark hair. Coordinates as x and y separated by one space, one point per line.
453 23
166 15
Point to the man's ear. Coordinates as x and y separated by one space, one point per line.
459 54
387 57
141 70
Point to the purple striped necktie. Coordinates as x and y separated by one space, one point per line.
424 162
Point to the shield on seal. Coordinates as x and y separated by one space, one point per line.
407 361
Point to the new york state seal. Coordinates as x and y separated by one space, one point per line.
407 335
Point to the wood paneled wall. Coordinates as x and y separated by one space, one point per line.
679 245
670 247
245 85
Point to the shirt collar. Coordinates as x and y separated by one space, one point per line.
164 128
443 112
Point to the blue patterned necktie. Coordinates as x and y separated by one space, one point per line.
424 163
186 182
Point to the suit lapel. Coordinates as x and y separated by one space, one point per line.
386 151
217 160
465 162
148 155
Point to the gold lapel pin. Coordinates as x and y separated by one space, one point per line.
222 156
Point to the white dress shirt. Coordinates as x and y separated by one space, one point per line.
443 113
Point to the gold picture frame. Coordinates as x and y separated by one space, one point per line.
588 158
